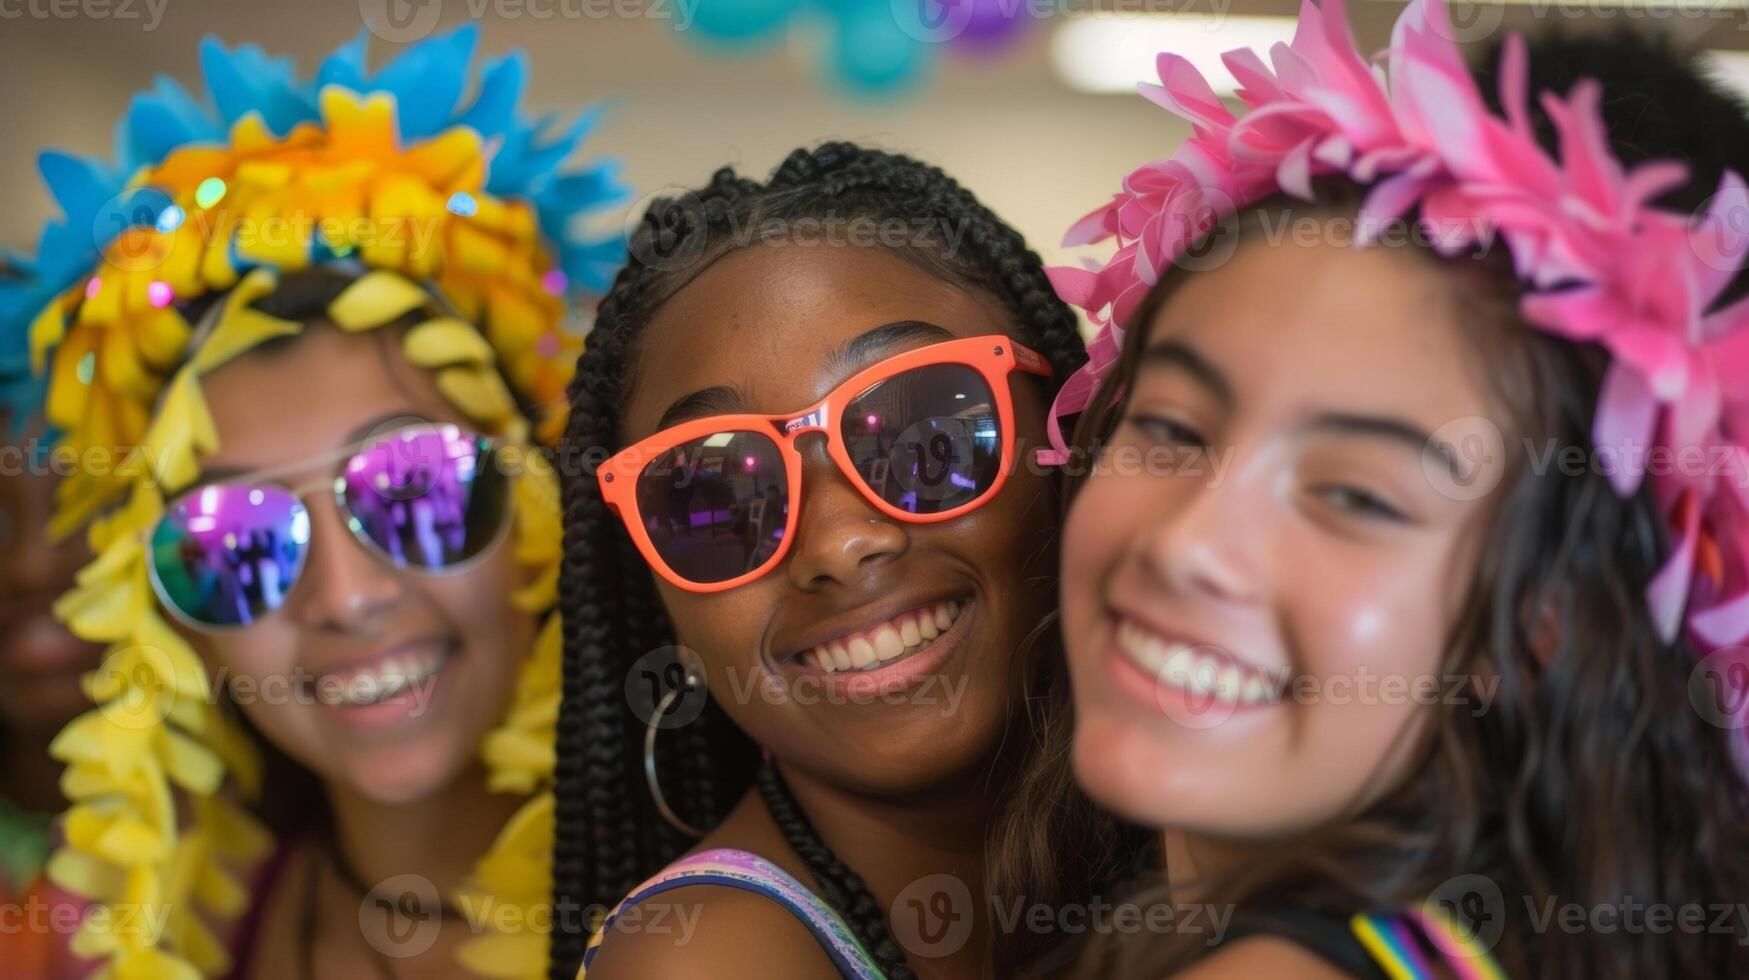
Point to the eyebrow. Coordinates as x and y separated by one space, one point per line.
846 359
715 400
1171 353
874 345
1393 430
1177 354
220 474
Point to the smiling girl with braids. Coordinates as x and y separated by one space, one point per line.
860 586
315 328
1443 677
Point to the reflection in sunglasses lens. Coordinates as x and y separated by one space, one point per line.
716 507
928 440
227 554
427 498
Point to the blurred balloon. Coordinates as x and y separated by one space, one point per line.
743 22
871 53
877 48
991 24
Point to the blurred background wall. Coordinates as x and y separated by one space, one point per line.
1016 124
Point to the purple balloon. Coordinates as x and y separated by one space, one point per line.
992 23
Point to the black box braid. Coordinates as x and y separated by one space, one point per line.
610 836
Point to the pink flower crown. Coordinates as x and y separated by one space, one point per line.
1598 262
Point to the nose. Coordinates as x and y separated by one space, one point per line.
840 536
1201 542
343 588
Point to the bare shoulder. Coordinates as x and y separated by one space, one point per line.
1262 956
709 930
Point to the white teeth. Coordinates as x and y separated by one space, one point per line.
909 634
1201 681
905 635
362 690
887 644
1204 673
926 625
1180 665
393 677
1228 686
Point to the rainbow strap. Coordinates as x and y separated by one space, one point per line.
750 872
1390 942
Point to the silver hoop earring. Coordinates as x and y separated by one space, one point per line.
651 727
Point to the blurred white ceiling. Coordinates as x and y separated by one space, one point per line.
1005 124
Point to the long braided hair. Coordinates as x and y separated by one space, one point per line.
610 834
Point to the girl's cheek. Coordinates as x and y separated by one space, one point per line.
254 654
1377 629
1100 518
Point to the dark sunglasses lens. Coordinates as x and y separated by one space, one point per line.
927 440
716 507
227 554
427 498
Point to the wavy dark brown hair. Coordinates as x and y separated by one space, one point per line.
1592 779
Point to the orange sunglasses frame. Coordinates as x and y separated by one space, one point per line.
994 357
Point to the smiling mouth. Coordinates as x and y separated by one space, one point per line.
384 678
900 638
1200 671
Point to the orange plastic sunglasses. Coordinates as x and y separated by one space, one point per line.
925 436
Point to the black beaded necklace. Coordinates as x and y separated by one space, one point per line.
845 890
328 853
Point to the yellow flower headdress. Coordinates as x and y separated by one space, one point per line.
454 218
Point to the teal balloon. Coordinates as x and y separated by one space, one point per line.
871 53
742 21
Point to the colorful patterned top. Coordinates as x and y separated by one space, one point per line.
1376 946
1389 940
750 872
37 945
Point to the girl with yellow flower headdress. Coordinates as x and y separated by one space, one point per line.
306 340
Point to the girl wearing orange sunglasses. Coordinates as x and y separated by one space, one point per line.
943 413
807 528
